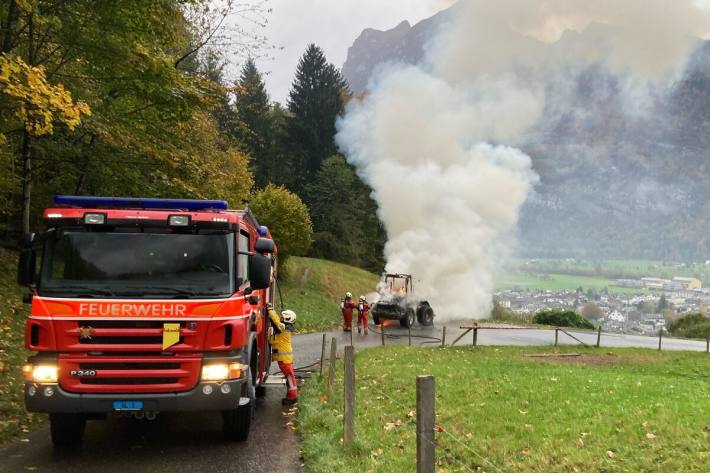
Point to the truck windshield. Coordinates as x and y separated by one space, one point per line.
77 263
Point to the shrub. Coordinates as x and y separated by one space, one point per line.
562 318
691 326
287 217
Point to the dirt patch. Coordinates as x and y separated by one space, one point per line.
577 358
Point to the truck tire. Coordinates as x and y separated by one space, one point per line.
376 319
236 423
66 430
425 314
408 319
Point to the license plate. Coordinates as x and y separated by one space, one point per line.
128 405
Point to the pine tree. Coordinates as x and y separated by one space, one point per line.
253 126
315 101
345 223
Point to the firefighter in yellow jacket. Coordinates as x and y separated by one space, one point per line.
282 351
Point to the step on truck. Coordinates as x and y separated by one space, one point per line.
141 306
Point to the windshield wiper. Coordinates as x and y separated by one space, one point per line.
80 291
165 290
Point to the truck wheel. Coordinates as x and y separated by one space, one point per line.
409 317
376 319
425 315
236 423
67 430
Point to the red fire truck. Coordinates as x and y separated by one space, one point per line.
142 306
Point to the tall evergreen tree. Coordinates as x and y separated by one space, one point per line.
344 217
253 126
315 101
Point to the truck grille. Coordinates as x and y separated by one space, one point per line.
124 335
123 374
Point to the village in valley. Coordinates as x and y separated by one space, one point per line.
635 305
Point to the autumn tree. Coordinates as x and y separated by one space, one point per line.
591 311
135 65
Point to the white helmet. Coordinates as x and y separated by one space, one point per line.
348 295
288 316
362 298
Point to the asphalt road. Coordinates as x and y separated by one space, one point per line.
193 442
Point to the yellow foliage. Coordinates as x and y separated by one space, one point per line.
38 104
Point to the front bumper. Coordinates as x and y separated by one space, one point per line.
194 400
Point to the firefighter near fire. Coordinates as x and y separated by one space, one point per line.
363 308
141 306
346 307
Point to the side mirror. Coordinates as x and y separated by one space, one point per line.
27 264
259 271
264 245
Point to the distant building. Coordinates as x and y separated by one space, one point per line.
654 283
688 283
629 283
616 316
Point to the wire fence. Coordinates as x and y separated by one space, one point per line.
441 439
446 440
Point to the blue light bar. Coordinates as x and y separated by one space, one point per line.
138 203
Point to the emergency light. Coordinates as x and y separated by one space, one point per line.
138 203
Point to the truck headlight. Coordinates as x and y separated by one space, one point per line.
41 373
222 371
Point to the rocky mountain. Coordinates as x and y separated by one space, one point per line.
612 184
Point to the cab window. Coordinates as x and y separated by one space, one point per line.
243 259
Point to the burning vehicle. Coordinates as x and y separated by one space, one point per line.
397 301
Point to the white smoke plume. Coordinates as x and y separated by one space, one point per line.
436 141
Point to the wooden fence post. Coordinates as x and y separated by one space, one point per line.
322 356
443 336
331 367
410 335
660 338
475 336
349 396
426 417
707 345
599 336
382 333
557 335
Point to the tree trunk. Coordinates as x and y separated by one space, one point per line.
26 180
27 141
8 40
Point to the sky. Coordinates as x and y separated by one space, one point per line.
331 24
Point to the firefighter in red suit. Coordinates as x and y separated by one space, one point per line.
282 351
347 305
363 308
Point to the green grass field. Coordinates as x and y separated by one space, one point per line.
632 269
620 411
524 280
313 289
13 418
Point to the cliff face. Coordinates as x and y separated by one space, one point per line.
612 183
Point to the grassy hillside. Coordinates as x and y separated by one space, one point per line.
13 418
313 289
499 409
